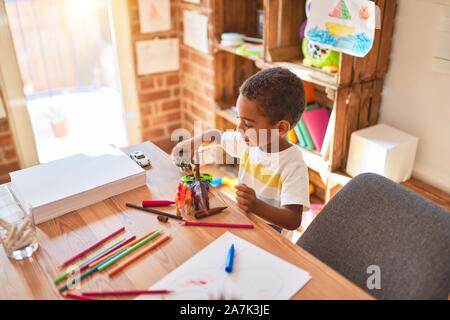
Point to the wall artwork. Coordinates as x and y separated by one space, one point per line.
154 15
343 25
158 55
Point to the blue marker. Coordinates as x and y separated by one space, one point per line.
230 259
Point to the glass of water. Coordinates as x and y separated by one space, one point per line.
17 228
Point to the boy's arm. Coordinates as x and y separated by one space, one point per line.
288 217
192 145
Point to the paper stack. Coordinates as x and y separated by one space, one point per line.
52 189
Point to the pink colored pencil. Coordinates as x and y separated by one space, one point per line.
77 297
157 203
217 225
82 253
123 293
119 245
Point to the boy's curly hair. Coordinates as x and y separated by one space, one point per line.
278 92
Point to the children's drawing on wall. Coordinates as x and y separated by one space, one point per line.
343 25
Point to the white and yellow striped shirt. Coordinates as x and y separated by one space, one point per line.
279 178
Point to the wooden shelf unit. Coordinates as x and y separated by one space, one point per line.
354 92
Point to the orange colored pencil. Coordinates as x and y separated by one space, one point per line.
95 263
139 255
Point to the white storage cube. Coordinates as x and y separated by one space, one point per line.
383 150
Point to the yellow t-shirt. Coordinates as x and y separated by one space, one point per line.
279 178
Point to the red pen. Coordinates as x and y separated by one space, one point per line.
157 203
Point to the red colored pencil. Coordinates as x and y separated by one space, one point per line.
77 297
157 203
99 242
217 225
123 293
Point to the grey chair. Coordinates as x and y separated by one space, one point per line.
373 221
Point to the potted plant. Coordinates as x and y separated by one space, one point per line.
58 122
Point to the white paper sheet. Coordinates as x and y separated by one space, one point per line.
159 55
343 25
61 179
154 15
195 30
257 274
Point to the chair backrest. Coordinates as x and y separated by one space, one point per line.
374 224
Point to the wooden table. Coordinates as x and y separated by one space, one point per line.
61 238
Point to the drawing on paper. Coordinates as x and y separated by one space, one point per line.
346 25
256 274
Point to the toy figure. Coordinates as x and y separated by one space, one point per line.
183 199
199 192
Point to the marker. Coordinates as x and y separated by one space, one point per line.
157 203
230 259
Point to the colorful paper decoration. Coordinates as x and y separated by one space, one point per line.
343 25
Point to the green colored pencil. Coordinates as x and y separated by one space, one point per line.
85 262
128 251
82 276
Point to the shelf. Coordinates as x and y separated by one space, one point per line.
308 74
227 114
232 50
315 161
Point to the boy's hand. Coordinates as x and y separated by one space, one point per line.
185 150
246 198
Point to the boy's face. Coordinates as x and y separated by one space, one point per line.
255 127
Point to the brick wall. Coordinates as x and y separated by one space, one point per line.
197 74
9 160
159 94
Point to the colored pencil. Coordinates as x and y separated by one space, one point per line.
97 255
154 211
157 203
128 251
111 254
123 293
96 244
130 260
84 265
210 212
77 297
115 249
217 225
81 277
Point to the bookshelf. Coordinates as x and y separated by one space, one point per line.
353 92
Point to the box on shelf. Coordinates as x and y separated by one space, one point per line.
383 150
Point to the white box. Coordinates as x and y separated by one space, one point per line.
383 150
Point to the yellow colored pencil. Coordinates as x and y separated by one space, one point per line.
95 263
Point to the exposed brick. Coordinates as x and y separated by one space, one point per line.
170 105
176 116
149 97
147 84
9 167
172 80
10 154
202 60
154 133
6 140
